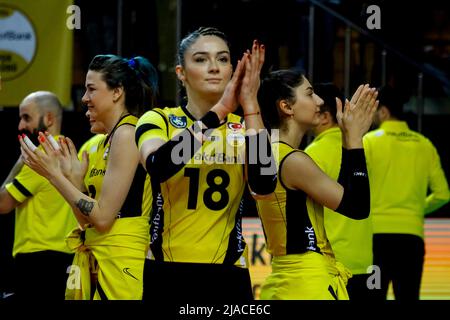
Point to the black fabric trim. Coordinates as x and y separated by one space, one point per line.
157 221
281 165
109 137
236 241
101 292
298 224
186 112
330 289
282 142
163 116
143 129
132 206
21 188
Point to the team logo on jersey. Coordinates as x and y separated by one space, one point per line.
178 122
127 272
235 126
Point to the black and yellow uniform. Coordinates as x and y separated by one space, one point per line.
43 219
303 265
118 255
91 146
196 230
351 239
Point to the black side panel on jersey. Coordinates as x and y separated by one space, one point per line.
236 243
297 218
300 235
157 221
132 207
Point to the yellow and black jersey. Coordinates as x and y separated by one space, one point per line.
303 266
137 203
197 212
291 220
91 146
43 217
351 239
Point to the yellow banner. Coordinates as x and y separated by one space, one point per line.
36 43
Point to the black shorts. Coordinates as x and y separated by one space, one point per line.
195 282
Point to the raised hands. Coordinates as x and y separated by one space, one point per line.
244 84
55 159
357 115
74 169
229 100
251 80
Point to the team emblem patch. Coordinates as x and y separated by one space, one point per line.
178 122
235 126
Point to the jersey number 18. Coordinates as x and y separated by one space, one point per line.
194 174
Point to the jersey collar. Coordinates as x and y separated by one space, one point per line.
394 125
187 113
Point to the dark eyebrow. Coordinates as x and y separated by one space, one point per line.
204 52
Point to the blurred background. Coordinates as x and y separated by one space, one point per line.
348 42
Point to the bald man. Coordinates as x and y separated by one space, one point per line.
42 216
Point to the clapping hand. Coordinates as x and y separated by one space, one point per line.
54 158
357 115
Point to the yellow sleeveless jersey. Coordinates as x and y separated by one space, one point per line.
351 239
43 217
91 145
137 202
117 256
303 265
197 213
292 222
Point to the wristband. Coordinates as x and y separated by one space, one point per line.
251 114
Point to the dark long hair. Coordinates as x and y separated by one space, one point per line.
276 86
328 92
137 76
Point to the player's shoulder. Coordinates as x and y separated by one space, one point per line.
155 115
